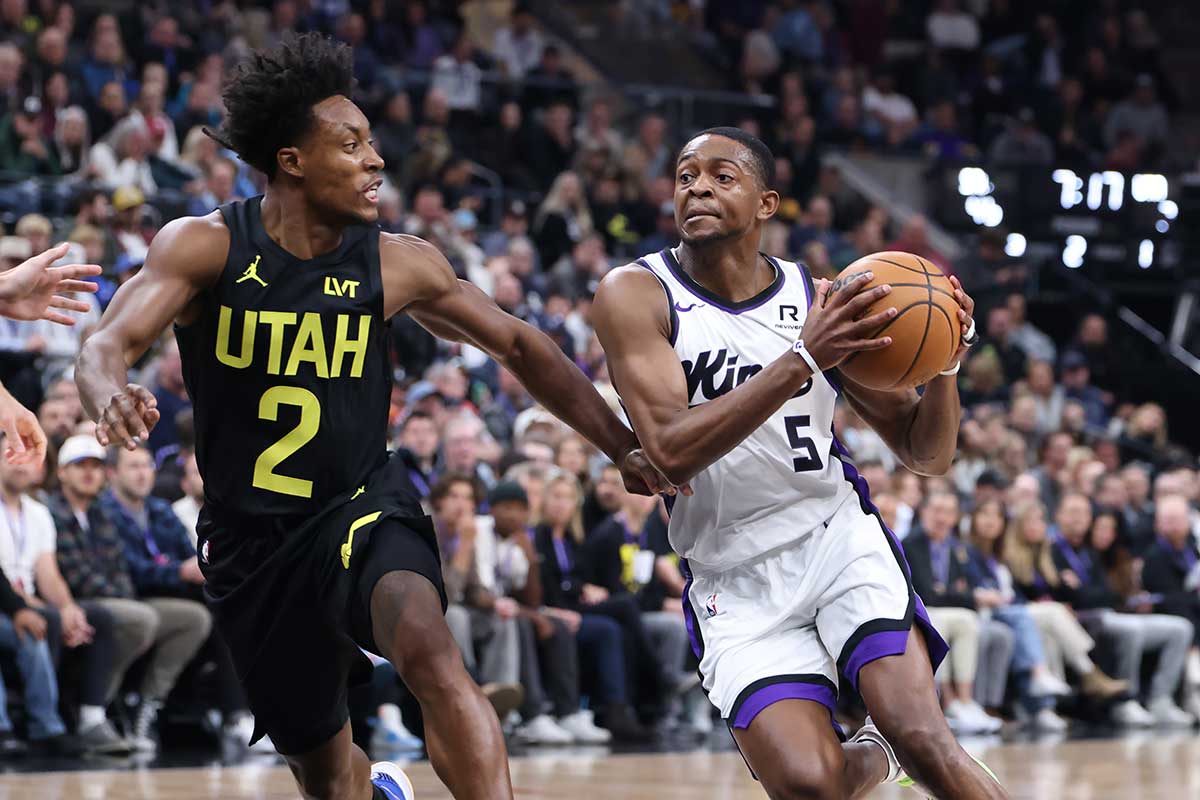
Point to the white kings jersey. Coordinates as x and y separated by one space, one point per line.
784 479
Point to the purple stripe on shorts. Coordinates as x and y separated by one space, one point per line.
768 695
874 646
933 640
689 614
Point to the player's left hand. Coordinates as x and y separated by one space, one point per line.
35 290
642 477
966 317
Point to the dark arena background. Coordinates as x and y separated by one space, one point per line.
1044 152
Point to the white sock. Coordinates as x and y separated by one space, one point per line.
90 716
389 716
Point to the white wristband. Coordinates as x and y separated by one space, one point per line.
954 371
799 349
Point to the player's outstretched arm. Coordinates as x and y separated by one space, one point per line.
922 430
185 258
459 311
632 320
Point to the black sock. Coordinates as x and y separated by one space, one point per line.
378 794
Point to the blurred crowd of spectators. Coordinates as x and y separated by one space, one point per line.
1008 82
1060 548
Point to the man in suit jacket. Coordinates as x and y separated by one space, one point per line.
939 565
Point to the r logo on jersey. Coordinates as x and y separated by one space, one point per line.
710 605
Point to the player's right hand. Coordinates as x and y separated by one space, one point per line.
128 417
836 327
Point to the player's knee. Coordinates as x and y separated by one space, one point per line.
818 776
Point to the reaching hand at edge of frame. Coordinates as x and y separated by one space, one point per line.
35 290
24 440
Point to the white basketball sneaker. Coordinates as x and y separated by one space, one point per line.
392 781
896 774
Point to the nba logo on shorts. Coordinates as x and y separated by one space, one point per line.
204 551
710 605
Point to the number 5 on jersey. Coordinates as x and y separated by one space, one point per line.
265 476
809 459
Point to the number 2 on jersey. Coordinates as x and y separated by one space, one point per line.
265 476
809 459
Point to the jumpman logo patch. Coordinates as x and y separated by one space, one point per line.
251 273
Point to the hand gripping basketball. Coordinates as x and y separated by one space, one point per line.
835 327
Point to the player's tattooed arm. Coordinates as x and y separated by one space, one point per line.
418 279
185 258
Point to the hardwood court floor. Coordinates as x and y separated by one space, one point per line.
1138 767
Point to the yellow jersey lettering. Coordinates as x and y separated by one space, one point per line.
366 519
278 320
224 321
343 345
309 346
340 288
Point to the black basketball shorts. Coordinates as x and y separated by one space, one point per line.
292 598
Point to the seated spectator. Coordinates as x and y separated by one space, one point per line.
1025 335
940 137
165 570
549 654
621 561
610 635
122 157
480 622
187 508
1037 686
27 544
1029 557
1087 588
818 225
171 393
23 634
939 564
1172 578
24 149
91 557
549 83
1140 114
518 46
562 220
1077 386
219 187
1021 144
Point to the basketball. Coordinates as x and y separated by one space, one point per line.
925 332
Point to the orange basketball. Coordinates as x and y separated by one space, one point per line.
925 332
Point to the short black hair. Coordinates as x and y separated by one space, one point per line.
271 94
761 157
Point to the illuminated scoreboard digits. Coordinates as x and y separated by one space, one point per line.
1090 217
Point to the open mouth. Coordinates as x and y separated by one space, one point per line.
372 192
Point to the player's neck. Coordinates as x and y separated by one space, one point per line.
730 269
293 225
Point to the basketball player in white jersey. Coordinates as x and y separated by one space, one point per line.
724 359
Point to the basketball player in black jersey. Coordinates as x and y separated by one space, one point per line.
312 540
